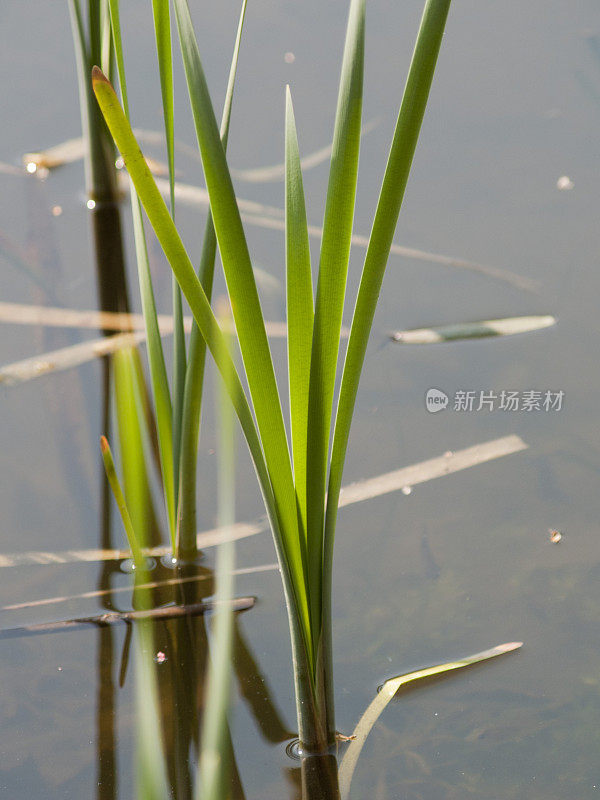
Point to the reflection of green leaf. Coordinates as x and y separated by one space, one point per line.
473 330
254 689
111 474
214 760
388 690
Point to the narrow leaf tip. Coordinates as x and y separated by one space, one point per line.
506 648
98 76
104 444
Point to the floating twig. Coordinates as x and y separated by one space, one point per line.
114 617
46 601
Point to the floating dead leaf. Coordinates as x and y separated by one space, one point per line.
10 169
68 153
555 536
272 218
353 493
433 468
473 330
387 692
64 153
66 358
78 354
46 601
257 213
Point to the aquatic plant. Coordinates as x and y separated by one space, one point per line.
300 484
302 515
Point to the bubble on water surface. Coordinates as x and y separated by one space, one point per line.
564 183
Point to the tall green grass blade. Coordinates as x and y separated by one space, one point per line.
100 50
300 304
113 480
397 170
95 29
158 371
106 46
83 61
115 24
291 561
388 691
162 30
194 379
388 208
331 290
179 373
130 418
245 303
215 734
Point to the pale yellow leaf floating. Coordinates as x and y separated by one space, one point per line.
387 692
473 330
259 214
353 493
65 358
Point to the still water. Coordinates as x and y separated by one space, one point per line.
506 175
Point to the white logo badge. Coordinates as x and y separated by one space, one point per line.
435 400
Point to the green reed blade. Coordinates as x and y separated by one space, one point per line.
214 768
194 378
151 761
400 159
245 303
331 289
182 267
133 441
300 305
394 183
113 480
106 49
99 158
162 30
156 359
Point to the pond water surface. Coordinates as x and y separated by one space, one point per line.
457 565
